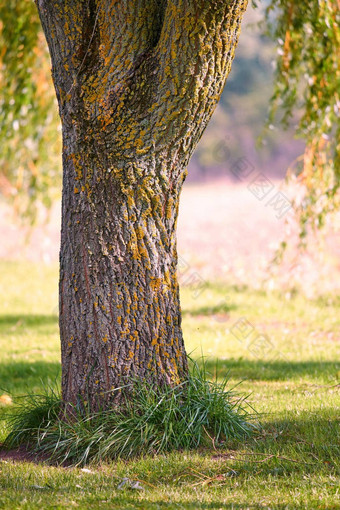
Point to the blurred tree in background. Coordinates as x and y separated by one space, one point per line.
304 85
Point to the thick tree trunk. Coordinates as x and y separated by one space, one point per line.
119 299
137 82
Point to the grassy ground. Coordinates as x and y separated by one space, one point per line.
284 348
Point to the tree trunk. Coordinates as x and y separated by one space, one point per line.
119 300
137 82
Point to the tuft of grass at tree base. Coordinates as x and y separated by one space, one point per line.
149 421
291 462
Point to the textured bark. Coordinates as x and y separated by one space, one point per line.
137 81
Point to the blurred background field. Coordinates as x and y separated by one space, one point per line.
224 233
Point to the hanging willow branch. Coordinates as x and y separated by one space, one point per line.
307 83
30 143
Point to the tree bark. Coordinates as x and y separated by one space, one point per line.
137 82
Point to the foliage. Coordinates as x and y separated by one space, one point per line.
153 421
307 81
29 138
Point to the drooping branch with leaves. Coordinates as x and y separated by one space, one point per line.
30 143
307 92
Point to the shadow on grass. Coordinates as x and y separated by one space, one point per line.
15 374
222 308
299 441
10 321
26 377
130 503
185 505
276 370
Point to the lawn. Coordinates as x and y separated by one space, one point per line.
283 347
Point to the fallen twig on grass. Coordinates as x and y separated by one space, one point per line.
211 438
268 457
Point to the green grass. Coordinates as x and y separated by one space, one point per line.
149 420
293 378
